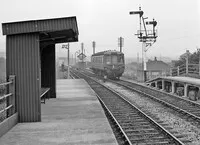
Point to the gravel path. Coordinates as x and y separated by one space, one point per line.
166 115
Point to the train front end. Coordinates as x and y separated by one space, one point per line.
114 64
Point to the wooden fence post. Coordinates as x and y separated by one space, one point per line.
199 67
11 99
170 72
178 71
187 65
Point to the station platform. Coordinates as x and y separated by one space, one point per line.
75 117
184 79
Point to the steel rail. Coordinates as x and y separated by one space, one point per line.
74 74
122 131
110 113
162 102
145 115
71 76
164 93
148 117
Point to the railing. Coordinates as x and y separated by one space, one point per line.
187 70
7 98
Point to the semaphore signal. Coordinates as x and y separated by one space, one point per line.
147 37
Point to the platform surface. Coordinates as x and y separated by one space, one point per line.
75 117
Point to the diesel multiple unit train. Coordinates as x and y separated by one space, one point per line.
108 63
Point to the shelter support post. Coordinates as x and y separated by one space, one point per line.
185 90
163 84
173 87
156 84
178 71
187 65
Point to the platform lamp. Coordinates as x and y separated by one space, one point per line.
67 47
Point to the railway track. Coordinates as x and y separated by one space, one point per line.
187 108
135 126
74 75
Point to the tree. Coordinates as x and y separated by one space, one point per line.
193 58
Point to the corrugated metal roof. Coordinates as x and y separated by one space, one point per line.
44 25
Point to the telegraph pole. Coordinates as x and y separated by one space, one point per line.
93 45
147 37
82 47
137 64
120 43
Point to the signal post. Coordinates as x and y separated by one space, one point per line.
147 37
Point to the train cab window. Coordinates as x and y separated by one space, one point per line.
114 59
121 59
108 59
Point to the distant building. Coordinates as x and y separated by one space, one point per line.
155 68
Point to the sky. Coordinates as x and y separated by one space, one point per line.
104 21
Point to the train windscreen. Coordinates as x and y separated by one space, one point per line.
121 59
115 59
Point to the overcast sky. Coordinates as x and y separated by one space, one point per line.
104 21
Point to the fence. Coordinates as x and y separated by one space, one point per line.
186 69
7 98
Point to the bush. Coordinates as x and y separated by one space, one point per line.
2 101
2 88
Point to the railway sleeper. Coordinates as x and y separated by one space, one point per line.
185 140
133 120
141 131
158 140
137 128
147 134
133 124
158 143
181 135
164 125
